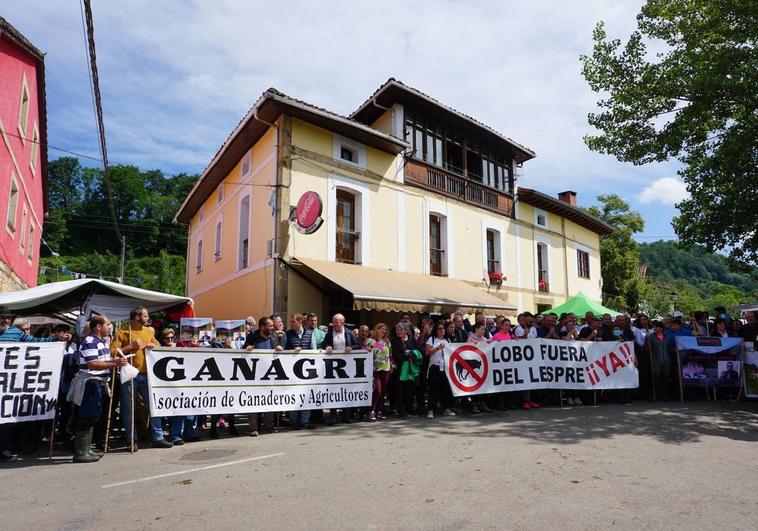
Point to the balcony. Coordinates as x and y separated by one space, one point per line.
430 177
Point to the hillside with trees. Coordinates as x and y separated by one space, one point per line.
695 278
79 227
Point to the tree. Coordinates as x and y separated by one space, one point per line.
79 225
655 300
696 101
619 253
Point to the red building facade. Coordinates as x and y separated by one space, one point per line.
23 158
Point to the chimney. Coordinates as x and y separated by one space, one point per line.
568 197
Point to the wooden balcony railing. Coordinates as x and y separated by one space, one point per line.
431 177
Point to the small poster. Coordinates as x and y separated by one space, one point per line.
710 361
198 327
234 329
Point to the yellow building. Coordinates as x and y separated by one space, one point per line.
421 211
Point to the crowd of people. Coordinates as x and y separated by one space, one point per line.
408 370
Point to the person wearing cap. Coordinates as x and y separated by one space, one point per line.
6 318
19 333
676 330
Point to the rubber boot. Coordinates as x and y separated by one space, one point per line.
82 442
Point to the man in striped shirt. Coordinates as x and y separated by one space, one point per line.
90 384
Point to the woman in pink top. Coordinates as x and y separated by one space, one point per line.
504 334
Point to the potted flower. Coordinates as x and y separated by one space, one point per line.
544 285
497 279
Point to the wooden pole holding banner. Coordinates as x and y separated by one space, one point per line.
131 419
679 372
110 411
742 372
52 439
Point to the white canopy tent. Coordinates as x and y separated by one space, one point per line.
744 308
83 296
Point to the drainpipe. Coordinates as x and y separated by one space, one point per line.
277 204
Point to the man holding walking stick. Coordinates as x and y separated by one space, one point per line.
133 340
89 385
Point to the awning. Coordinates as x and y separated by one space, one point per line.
86 295
384 289
579 305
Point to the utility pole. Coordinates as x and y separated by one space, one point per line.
90 31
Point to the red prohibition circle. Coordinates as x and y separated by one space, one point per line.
308 209
456 357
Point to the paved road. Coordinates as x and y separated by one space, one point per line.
628 467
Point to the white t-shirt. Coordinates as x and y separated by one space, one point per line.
338 340
520 332
438 358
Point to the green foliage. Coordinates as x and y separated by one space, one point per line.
79 225
619 252
695 101
667 261
695 278
656 300
164 272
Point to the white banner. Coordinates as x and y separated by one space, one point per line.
29 377
502 366
198 381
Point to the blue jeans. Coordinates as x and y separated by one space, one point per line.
181 428
300 417
140 388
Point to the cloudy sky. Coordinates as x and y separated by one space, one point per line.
176 76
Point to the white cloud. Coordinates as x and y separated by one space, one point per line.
666 190
177 75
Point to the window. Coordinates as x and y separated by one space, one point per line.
217 252
348 154
583 263
436 251
23 113
348 151
30 245
540 218
34 149
10 222
220 193
543 278
493 251
244 234
199 256
347 235
22 232
437 145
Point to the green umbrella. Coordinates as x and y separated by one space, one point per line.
580 304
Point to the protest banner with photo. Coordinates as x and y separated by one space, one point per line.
710 361
29 379
750 365
215 381
502 366
199 327
234 329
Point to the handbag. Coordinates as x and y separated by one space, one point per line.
128 373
